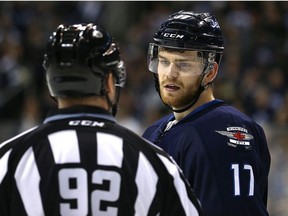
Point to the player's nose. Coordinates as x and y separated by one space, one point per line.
173 70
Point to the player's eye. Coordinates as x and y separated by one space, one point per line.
164 62
184 66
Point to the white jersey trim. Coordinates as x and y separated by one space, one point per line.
15 137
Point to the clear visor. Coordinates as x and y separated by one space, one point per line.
164 60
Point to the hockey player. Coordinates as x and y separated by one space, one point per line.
221 151
80 161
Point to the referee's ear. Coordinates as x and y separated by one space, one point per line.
110 84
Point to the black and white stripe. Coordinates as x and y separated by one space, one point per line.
59 169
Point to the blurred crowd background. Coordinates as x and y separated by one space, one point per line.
253 75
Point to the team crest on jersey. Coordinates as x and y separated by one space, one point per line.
237 136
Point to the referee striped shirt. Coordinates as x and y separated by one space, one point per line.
81 162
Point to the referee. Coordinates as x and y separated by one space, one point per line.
80 161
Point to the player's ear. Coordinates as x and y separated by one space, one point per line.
212 72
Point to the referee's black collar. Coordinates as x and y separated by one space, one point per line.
79 111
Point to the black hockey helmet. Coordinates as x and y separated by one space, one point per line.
187 30
190 30
78 58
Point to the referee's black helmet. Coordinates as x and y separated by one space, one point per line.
78 58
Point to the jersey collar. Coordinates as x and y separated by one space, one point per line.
79 111
205 106
199 109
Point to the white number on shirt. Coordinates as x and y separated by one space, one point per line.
246 168
73 184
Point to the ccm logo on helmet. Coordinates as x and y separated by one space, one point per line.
173 35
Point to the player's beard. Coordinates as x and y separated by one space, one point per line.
183 96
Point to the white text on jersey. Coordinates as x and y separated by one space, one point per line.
86 123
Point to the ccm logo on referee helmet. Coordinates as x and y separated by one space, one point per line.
86 123
173 35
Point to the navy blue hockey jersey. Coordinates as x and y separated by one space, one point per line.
81 162
224 155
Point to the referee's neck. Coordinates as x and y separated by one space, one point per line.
98 101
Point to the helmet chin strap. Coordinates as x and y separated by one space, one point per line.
114 105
